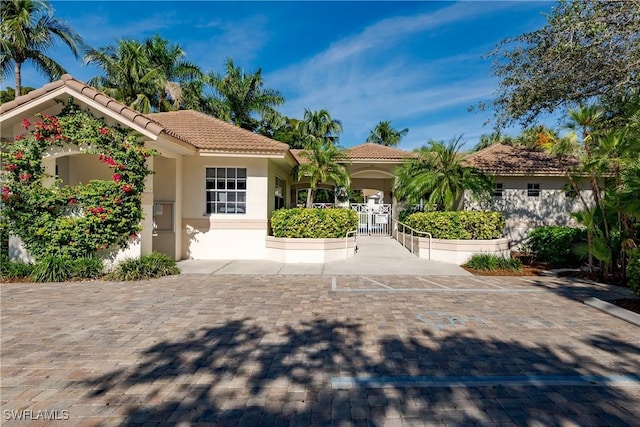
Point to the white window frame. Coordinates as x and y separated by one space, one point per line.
223 194
533 189
282 196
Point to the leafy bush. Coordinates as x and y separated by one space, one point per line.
52 268
10 270
557 245
487 262
459 224
89 267
145 267
313 223
404 214
633 271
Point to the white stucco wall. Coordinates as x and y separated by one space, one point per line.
523 213
224 236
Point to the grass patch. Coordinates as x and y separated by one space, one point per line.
145 267
487 262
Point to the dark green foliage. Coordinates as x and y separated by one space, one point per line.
459 224
557 245
313 223
633 271
10 270
487 262
52 268
145 267
89 267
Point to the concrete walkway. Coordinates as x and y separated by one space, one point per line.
378 256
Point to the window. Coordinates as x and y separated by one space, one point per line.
279 193
533 190
226 190
497 189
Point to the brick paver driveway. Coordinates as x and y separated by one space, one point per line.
316 350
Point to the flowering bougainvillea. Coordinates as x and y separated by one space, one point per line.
73 220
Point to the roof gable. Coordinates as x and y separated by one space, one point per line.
371 151
193 128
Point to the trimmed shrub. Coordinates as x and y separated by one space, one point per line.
313 223
633 271
487 262
466 225
557 245
145 267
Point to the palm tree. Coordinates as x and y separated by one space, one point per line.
143 75
174 72
28 29
320 134
384 134
238 96
491 139
439 176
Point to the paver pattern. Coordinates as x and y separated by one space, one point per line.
247 350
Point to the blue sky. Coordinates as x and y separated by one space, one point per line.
418 64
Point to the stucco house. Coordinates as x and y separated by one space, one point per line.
530 188
214 185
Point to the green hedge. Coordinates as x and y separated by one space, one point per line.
557 245
313 223
633 271
465 225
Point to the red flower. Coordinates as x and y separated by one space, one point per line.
127 188
19 155
104 130
5 193
38 136
26 123
20 137
133 235
10 167
25 176
72 201
117 177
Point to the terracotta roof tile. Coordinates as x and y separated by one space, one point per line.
370 151
506 160
212 134
194 128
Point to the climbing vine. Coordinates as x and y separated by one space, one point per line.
73 220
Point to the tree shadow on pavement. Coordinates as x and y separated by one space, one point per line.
239 373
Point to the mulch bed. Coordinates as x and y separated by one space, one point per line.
525 271
631 304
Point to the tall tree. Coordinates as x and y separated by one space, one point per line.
324 159
146 75
587 49
27 31
439 176
238 96
385 134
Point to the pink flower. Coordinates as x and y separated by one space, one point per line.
104 130
72 201
10 167
25 176
19 155
26 123
117 177
127 188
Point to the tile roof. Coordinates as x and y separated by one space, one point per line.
515 160
370 151
197 129
88 92
367 151
211 134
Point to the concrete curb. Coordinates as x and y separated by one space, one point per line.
614 310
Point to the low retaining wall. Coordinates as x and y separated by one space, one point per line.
454 251
314 251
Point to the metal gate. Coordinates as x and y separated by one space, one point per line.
373 220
